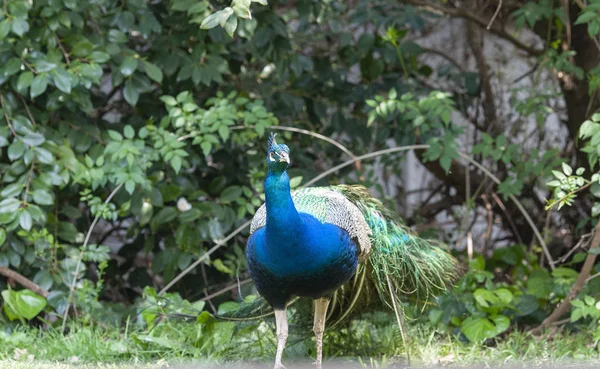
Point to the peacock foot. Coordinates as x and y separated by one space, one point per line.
279 366
317 364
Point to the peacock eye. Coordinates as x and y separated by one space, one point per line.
271 157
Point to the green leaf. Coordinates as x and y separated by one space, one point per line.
9 205
446 162
28 304
4 28
295 181
221 267
596 209
562 272
589 300
20 26
593 28
38 85
165 215
62 80
82 48
168 100
241 11
44 66
230 194
505 295
2 236
585 17
24 80
44 156
115 135
13 65
129 132
146 213
210 22
231 25
567 170
25 220
99 57
224 132
539 284
485 297
42 197
130 186
219 17
16 150
9 304
34 139
12 190
190 215
131 93
560 176
128 66
526 304
477 329
153 72
176 163
206 147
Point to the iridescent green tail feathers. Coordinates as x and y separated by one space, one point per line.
413 266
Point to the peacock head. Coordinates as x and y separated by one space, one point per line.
278 155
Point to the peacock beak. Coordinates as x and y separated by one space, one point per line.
284 157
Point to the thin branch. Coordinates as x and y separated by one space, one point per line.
495 15
65 54
592 277
443 55
23 281
475 41
85 242
508 217
217 245
567 46
28 111
205 278
28 66
226 289
3 105
314 134
463 13
29 179
581 244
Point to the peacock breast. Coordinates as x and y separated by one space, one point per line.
310 249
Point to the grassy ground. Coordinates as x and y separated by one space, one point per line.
361 345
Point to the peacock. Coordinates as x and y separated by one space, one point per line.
316 240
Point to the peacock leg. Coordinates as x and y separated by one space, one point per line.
282 334
319 326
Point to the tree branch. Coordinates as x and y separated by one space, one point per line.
23 281
489 106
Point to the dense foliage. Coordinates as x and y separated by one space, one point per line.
132 143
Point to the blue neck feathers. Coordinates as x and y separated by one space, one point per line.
283 220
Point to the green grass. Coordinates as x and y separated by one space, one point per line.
375 342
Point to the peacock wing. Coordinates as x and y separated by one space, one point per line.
328 205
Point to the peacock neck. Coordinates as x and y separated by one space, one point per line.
283 220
